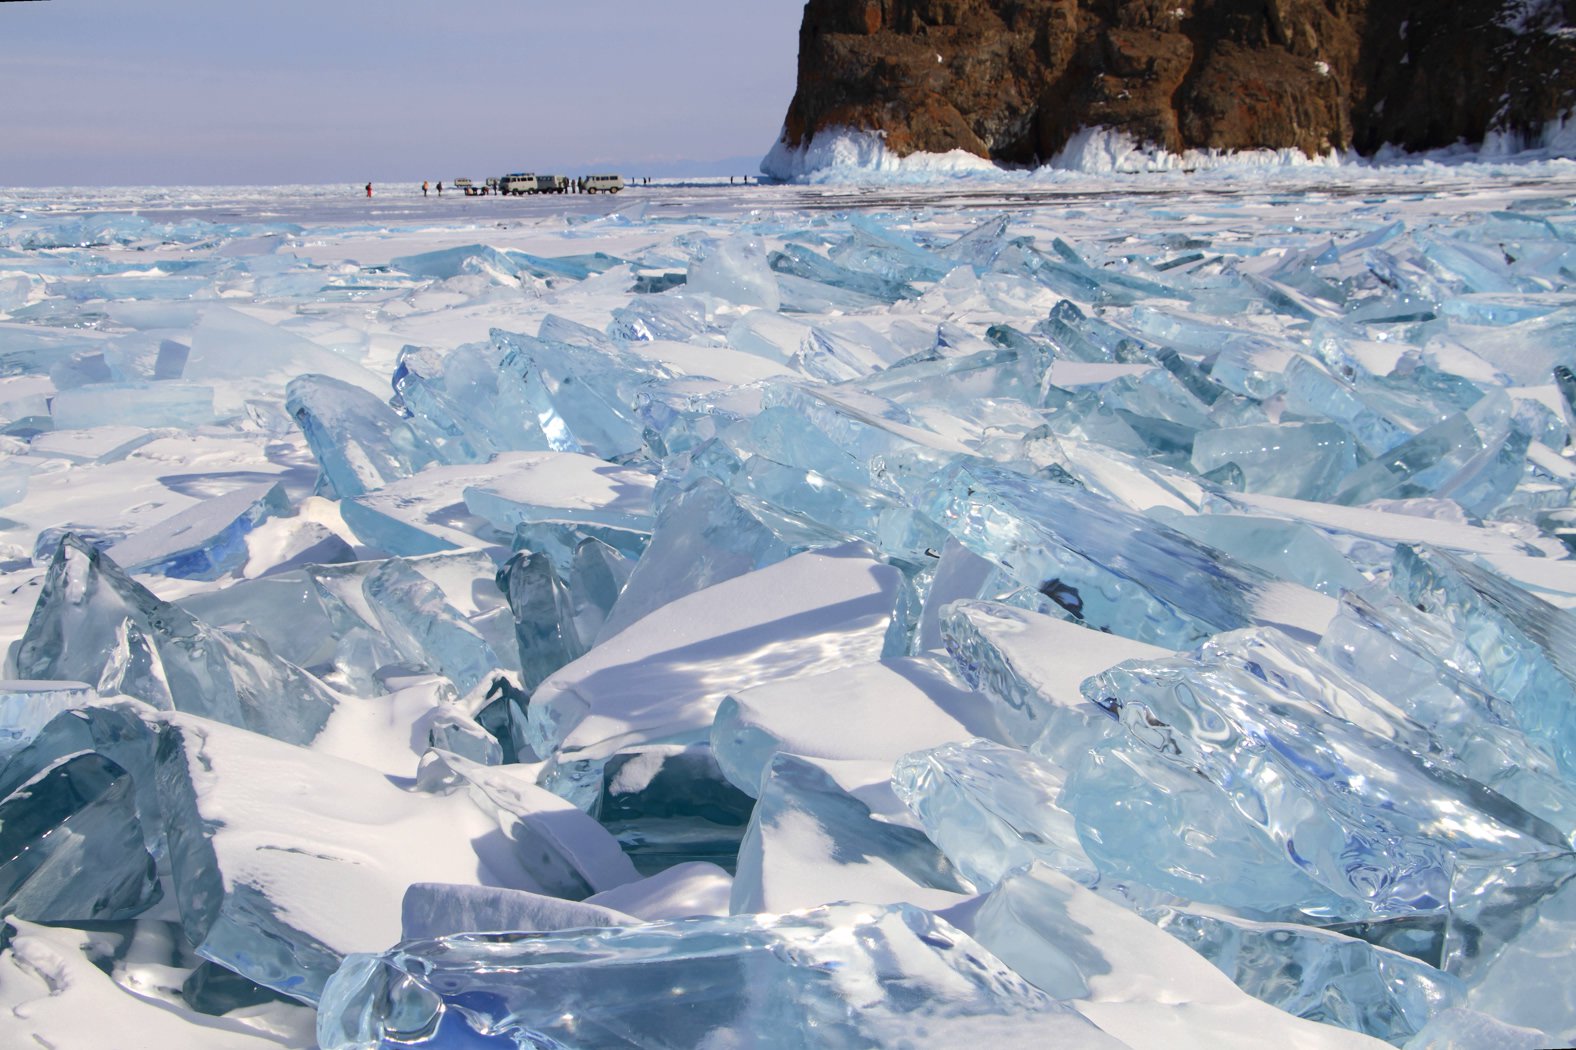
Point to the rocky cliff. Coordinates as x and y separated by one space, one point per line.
1012 80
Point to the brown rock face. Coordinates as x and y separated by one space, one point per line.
1012 80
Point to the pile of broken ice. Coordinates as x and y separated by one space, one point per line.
957 636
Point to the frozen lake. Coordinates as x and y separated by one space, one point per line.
1146 599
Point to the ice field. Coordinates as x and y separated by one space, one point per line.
1047 609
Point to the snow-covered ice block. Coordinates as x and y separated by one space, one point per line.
281 900
432 909
203 542
94 623
841 977
527 487
662 679
810 842
877 711
679 892
54 991
560 850
1133 980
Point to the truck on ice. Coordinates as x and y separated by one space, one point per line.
521 183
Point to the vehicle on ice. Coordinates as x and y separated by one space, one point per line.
602 183
525 182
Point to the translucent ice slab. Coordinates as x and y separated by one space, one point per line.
736 270
88 613
1518 645
205 542
1030 666
846 976
580 391
1130 978
358 441
1318 974
433 909
991 808
707 535
71 845
1112 569
1353 804
1300 460
27 707
413 613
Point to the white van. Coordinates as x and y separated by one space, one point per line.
602 183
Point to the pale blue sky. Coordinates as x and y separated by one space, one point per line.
124 92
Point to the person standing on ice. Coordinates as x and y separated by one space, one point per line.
423 187
440 189
369 189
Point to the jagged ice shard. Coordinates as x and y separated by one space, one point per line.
797 616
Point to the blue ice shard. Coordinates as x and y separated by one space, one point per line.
72 846
432 909
796 260
232 676
992 808
1352 802
669 804
1509 937
414 614
1299 460
737 271
544 622
1030 665
1516 644
206 541
1290 550
1110 568
358 441
839 977
1318 974
580 392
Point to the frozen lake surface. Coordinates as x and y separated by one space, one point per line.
1094 610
